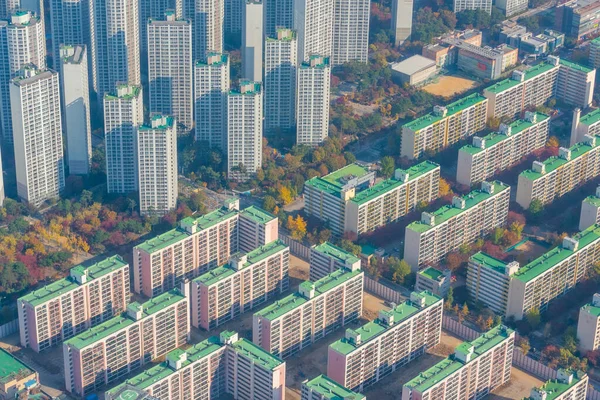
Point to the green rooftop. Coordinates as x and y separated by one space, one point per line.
593 200
554 389
339 254
592 309
295 300
331 390
218 274
390 184
65 285
555 162
575 66
133 92
257 215
167 124
494 138
557 255
442 370
452 108
116 324
257 354
335 181
432 273
375 328
487 261
449 211
591 118
530 73
214 58
12 368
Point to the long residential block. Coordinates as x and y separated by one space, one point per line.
323 388
326 258
474 370
588 326
199 244
389 200
568 385
246 282
556 176
316 310
445 126
108 352
90 295
590 211
497 151
212 368
368 354
466 219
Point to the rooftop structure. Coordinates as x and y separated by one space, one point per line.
324 388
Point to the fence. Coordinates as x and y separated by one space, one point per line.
296 248
532 366
9 328
382 291
592 393
460 330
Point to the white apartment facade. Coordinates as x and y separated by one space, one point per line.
123 113
90 295
497 151
326 258
575 83
590 211
594 56
247 281
244 130
312 112
37 134
281 60
466 219
557 176
477 368
208 18
110 351
211 86
278 14
156 10
512 7
462 5
157 165
568 385
252 40
402 13
313 22
588 125
76 106
350 31
433 280
445 126
170 69
256 228
588 325
318 309
70 26
398 336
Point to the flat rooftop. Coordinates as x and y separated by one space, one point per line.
388 185
492 139
554 389
413 64
374 329
593 200
592 117
575 66
555 162
12 368
442 370
116 324
295 300
552 258
337 253
65 285
335 181
257 215
452 108
487 261
449 211
432 273
530 73
257 354
331 390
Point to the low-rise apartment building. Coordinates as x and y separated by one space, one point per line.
368 354
316 310
588 125
326 258
553 274
474 370
590 211
108 352
488 281
212 368
247 281
325 197
199 244
497 151
391 199
15 376
556 176
468 217
323 388
434 281
588 325
486 62
90 295
568 385
444 126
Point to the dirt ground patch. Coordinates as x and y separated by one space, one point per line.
448 86
299 269
519 386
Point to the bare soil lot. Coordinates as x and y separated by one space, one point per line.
448 86
519 386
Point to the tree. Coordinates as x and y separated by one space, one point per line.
524 346
444 188
536 207
553 142
324 235
465 310
399 269
297 227
285 195
351 247
497 235
517 228
131 204
86 198
421 206
269 203
533 318
387 166
453 261
449 299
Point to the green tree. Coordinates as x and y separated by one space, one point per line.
533 318
449 299
387 166
497 235
269 203
536 208
350 247
399 269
